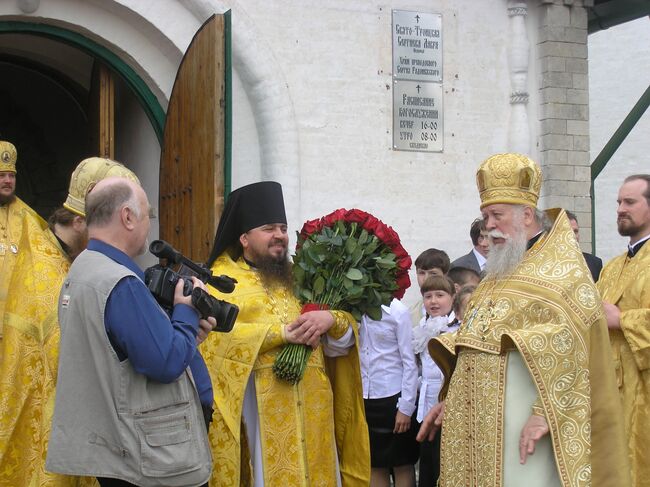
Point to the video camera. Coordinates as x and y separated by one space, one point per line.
162 280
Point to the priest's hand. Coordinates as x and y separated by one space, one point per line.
432 423
205 327
309 327
533 430
402 423
613 316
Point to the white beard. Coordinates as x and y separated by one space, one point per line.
504 258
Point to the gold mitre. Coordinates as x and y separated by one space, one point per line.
509 178
8 157
85 177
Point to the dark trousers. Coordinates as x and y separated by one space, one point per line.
106 482
430 462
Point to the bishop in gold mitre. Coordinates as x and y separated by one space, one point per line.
625 288
529 395
13 213
29 364
267 431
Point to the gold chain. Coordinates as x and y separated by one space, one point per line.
484 311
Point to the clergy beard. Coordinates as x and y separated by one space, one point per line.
504 258
627 227
78 245
274 270
7 199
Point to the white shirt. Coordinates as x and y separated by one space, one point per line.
388 363
432 377
479 258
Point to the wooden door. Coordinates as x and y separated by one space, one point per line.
102 111
192 159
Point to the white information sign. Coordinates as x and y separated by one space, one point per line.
417 116
417 46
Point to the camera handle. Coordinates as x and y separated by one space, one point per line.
163 250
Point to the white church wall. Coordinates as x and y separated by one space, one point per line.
312 99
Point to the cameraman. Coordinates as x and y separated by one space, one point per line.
127 405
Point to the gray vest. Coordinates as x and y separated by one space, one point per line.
109 420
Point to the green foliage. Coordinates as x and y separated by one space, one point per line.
346 268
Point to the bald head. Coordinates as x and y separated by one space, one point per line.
117 212
108 196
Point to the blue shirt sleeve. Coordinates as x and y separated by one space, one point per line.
202 379
141 331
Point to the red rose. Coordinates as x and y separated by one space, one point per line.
382 233
311 226
371 224
400 253
356 216
403 261
329 220
403 282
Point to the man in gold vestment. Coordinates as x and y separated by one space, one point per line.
530 397
13 213
625 289
29 363
312 433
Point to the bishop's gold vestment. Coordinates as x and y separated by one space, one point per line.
625 282
303 427
12 217
549 311
30 360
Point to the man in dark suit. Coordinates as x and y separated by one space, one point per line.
594 263
475 259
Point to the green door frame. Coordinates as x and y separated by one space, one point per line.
145 96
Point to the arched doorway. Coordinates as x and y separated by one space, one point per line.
117 116
52 94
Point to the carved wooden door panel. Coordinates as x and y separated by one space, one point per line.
193 152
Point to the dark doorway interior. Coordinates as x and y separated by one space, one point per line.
44 114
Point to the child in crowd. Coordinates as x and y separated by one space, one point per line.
431 262
462 276
460 305
389 376
437 295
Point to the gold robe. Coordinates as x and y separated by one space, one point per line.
625 282
12 217
29 365
303 427
550 312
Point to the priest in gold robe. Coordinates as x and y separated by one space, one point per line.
530 396
31 343
13 213
625 288
266 431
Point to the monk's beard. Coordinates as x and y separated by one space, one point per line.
275 270
504 258
7 199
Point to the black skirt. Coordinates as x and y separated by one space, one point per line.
388 449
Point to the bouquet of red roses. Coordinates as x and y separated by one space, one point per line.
347 260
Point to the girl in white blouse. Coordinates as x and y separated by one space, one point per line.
437 295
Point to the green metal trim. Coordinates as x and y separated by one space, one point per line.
227 170
621 133
148 100
611 147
